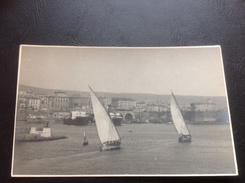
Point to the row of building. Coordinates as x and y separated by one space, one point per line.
60 105
60 101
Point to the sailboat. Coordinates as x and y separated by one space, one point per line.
108 135
85 142
178 121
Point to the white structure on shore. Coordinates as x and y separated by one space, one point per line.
43 132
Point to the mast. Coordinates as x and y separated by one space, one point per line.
84 134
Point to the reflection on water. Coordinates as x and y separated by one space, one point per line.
149 149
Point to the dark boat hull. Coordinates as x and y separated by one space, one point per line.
106 147
185 138
79 121
117 121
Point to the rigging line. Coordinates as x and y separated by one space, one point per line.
123 137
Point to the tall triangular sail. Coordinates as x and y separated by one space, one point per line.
105 127
177 117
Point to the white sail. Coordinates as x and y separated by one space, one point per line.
105 127
177 117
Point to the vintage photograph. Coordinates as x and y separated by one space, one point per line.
122 111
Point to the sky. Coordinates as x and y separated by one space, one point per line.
184 70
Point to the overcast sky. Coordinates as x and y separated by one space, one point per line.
184 70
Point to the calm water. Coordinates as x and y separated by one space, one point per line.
149 149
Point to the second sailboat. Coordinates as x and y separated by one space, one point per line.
178 121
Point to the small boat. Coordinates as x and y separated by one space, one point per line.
85 142
178 121
108 135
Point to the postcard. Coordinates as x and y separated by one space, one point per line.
122 111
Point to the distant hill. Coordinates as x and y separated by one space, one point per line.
138 97
46 91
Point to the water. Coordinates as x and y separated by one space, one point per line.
149 149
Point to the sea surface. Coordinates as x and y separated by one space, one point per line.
151 149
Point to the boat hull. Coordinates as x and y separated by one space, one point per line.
185 138
106 147
117 121
79 121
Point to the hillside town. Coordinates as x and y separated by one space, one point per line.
55 108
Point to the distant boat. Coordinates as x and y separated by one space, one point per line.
77 118
178 121
108 135
85 142
116 118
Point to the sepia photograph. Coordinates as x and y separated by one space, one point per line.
122 111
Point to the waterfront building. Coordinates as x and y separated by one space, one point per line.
24 96
202 112
60 94
123 103
61 101
34 103
86 103
141 106
30 93
75 101
78 101
203 106
105 101
21 105
44 102
152 108
162 108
